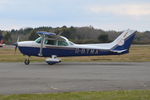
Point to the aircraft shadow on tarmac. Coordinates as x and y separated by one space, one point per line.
88 63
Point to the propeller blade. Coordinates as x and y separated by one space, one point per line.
16 45
18 38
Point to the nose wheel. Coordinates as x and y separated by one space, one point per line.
27 61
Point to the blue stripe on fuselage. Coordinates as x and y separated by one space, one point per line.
64 52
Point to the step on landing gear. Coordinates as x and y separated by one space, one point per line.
27 61
53 60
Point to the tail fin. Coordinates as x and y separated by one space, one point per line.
123 42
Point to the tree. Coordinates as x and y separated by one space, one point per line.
7 38
103 38
33 35
1 36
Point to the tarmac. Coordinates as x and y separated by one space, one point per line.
17 78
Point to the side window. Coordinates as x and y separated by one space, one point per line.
50 42
62 43
71 43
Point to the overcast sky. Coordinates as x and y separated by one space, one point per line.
102 14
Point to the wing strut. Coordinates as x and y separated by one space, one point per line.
43 35
42 43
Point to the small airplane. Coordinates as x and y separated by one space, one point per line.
54 45
1 42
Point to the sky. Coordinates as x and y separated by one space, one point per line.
101 14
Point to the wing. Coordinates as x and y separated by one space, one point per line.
46 33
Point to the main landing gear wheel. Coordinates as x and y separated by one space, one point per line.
51 63
53 60
27 61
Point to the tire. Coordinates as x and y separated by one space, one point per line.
27 62
51 63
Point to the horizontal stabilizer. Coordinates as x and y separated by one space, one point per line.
118 51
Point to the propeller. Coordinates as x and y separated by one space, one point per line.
16 45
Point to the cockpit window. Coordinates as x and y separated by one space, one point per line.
50 42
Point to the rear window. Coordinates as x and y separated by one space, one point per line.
62 43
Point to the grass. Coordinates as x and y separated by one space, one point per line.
105 95
9 55
137 54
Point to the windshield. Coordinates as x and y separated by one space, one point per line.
38 40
